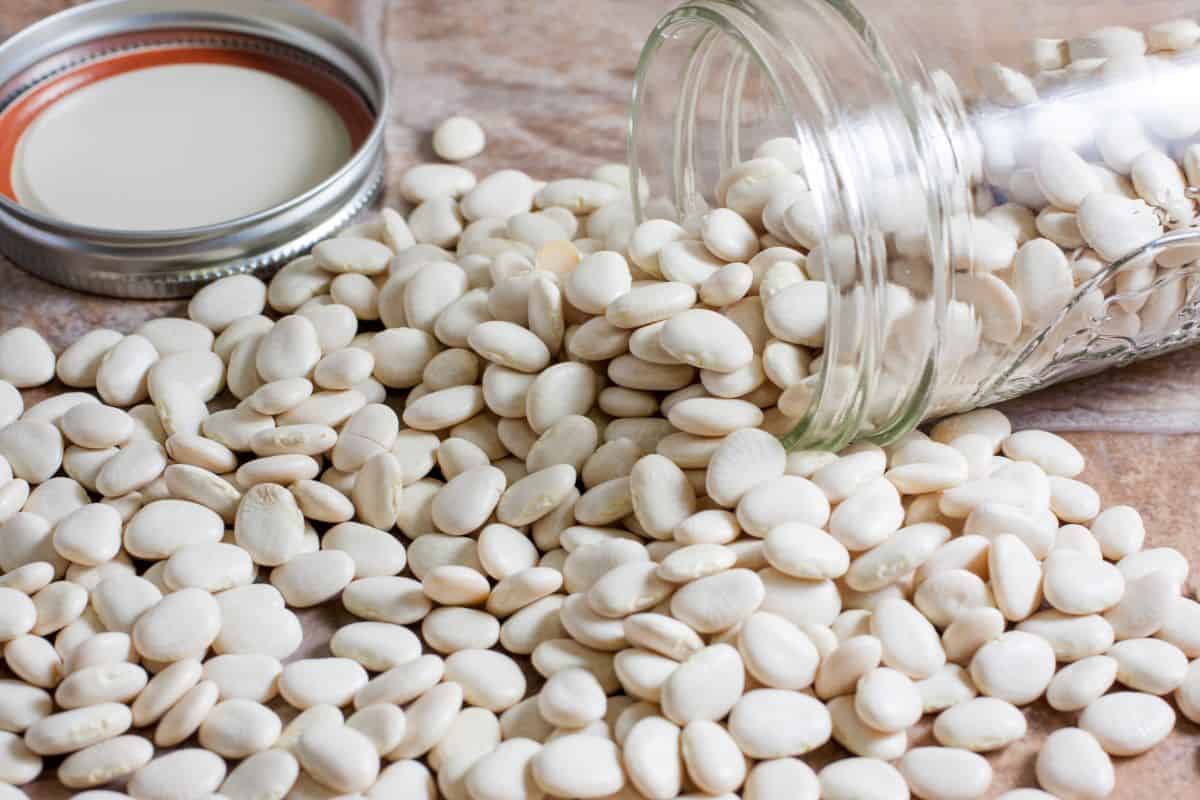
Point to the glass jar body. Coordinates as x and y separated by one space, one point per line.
985 201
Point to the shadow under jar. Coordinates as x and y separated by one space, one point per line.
983 199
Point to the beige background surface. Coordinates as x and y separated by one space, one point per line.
549 79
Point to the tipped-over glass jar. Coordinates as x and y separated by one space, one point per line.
980 199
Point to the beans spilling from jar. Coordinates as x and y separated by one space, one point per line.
1056 180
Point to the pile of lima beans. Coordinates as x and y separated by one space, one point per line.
540 489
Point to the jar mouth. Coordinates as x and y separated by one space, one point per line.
717 79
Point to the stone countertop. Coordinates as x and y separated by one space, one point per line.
549 80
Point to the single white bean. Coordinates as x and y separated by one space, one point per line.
178 773
458 138
1071 763
941 773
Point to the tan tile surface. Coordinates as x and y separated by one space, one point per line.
549 79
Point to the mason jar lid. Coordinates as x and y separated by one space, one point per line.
150 146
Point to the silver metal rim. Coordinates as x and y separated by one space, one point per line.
176 263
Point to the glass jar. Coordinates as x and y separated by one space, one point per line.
996 196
